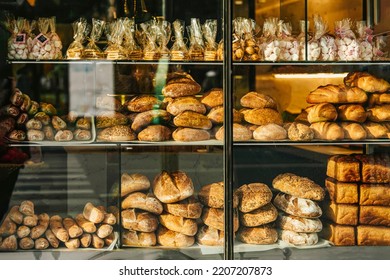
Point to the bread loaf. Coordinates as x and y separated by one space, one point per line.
187 103
374 194
143 103
178 224
187 134
143 119
261 235
71 226
192 120
375 130
109 239
8 227
210 236
180 85
52 239
214 218
9 243
366 82
327 131
336 94
110 118
373 236
298 238
97 242
257 100
30 221
23 231
104 230
342 192
15 215
351 113
155 133
217 115
339 235
298 224
260 216
86 225
343 168
188 208
374 215
342 214
240 133
298 186
172 187
269 132
143 239
26 243
147 202
300 132
139 220
263 116
378 99
213 98
212 195
353 131
85 240
41 244
322 112
93 214
57 228
379 113
117 133
296 206
26 208
40 229
253 196
375 168
72 243
133 183
170 238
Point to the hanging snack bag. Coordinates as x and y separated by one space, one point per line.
163 36
269 41
41 47
365 40
179 50
304 30
132 49
289 46
251 47
209 29
220 50
92 51
114 34
348 48
150 30
379 50
20 40
55 40
196 49
80 31
238 48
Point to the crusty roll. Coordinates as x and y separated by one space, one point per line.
253 196
327 131
192 120
136 220
187 134
109 239
85 240
213 98
351 113
155 133
15 215
261 235
143 103
104 230
214 218
93 214
53 240
210 236
353 131
298 238
378 99
172 187
109 218
379 113
139 239
336 94
180 85
40 229
85 224
212 195
26 243
240 133
71 226
296 206
10 243
217 115
23 231
322 112
57 228
30 221
263 116
41 244
298 186
143 119
72 243
269 132
147 202
375 130
179 224
133 183
26 208
260 216
97 242
366 82
63 135
188 208
170 238
299 224
8 227
299 132
116 133
188 103
257 100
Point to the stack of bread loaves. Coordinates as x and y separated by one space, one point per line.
24 229
298 221
359 207
212 197
257 214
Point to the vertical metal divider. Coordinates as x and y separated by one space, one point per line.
306 32
228 133
119 201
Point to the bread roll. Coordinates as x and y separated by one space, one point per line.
117 133
41 244
378 99
72 243
109 118
143 119
143 103
253 196
26 243
141 239
57 228
172 187
257 100
374 194
178 224
139 220
373 236
187 103
71 226
85 240
93 214
343 168
213 98
214 218
9 243
86 225
261 235
353 131
23 231
82 135
366 82
104 230
296 206
375 130
322 112
339 235
263 116
26 208
133 183
217 115
109 239
170 238
327 131
240 133
298 239
15 215
352 113
97 242
212 195
261 216
30 221
188 208
270 132
40 229
155 133
374 215
53 240
336 94
8 227
181 85
300 132
147 202
342 214
379 113
209 236
192 120
342 192
298 224
187 134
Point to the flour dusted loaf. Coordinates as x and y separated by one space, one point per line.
139 200
342 214
210 236
344 168
342 192
139 239
178 224
373 236
298 224
213 98
299 132
296 206
133 183
257 100
298 238
188 208
261 235
188 103
262 116
366 82
180 84
261 216
336 94
170 238
253 196
269 132
172 187
187 134
339 235
374 215
298 186
212 195
374 194
138 220
214 218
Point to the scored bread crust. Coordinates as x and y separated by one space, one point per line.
188 208
172 187
298 238
212 195
139 200
296 206
263 215
179 224
170 238
261 235
299 224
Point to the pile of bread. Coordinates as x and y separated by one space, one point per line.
27 120
358 209
23 229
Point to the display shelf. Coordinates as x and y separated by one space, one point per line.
312 143
309 63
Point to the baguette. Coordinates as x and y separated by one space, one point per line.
97 242
85 240
73 229
378 99
40 229
30 221
57 228
109 239
27 208
109 218
8 227
366 82
26 243
375 130
93 214
23 231
41 244
9 243
379 113
87 226
53 240
104 230
72 243
15 215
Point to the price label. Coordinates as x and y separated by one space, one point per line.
20 38
42 39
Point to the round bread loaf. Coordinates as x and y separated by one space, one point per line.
188 208
269 132
143 119
240 133
261 235
192 120
298 186
187 134
139 220
216 115
261 216
155 133
133 238
143 103
299 132
213 98
139 200
296 206
133 183
179 224
172 187
170 238
187 103
117 133
263 116
212 195
299 224
210 236
298 238
257 100
214 218
253 196
110 118
181 85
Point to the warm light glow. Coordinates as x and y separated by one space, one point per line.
310 75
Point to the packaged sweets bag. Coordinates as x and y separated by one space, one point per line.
164 31
20 40
114 34
237 46
150 47
304 29
209 29
132 49
314 49
220 50
326 41
365 39
80 31
91 50
196 48
269 42
348 48
179 50
42 47
249 43
380 48
289 46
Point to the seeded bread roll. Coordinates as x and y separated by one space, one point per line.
133 183
187 134
212 195
299 132
297 238
261 235
136 220
110 118
143 103
172 187
257 100
147 202
352 113
213 98
261 216
210 236
143 119
253 196
296 206
214 218
117 133
143 239
298 186
185 226
188 103
170 238
188 208
155 133
263 116
298 224
192 120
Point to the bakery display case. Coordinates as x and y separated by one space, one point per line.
238 130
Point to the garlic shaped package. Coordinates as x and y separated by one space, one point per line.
365 39
149 40
92 51
80 31
164 30
55 40
179 50
269 42
21 37
327 42
348 48
289 46
41 47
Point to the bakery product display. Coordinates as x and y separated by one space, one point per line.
296 206
336 94
261 235
260 216
298 238
342 192
298 224
253 196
